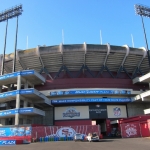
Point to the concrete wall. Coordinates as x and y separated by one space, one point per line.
135 109
47 119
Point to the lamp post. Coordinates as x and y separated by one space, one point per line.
143 11
5 16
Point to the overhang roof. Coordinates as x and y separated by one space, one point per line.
30 75
28 94
74 56
143 79
22 111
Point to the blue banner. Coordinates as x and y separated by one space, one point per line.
25 110
15 74
13 93
85 92
7 142
90 100
14 111
15 131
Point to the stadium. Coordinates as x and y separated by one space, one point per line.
80 84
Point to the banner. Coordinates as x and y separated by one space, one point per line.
71 112
116 111
98 111
86 92
15 132
58 131
91 100
7 142
15 74
14 93
14 111
130 130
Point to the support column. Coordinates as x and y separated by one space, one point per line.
25 104
18 100
2 120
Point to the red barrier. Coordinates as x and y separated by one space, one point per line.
59 131
130 130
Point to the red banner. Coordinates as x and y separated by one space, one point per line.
58 131
130 130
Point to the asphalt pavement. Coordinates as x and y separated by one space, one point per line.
105 144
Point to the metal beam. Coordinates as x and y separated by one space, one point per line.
126 72
87 68
80 71
101 70
60 70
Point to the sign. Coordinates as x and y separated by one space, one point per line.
14 111
130 130
7 142
98 111
14 93
116 111
15 74
71 112
59 131
15 131
65 131
88 92
90 100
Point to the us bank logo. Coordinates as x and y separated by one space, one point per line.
117 111
71 112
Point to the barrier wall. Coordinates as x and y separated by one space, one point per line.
135 129
58 131
16 133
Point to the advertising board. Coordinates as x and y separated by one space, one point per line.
71 112
116 111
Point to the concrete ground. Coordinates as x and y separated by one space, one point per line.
108 144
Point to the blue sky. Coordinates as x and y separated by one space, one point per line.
81 20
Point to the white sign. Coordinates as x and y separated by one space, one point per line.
65 131
116 111
71 112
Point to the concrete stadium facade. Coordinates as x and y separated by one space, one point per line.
83 77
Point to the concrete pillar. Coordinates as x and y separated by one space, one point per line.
18 100
25 104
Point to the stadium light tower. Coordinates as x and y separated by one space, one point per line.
143 11
5 16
